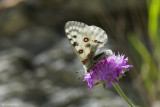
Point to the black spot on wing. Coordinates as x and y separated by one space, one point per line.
74 36
70 39
88 45
75 44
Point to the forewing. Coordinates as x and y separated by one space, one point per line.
75 31
85 39
98 37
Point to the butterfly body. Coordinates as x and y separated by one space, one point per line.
86 42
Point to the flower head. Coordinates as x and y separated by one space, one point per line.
107 70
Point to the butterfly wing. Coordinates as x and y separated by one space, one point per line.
98 37
85 39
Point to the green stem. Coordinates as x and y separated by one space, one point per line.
122 94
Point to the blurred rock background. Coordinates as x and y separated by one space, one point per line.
38 67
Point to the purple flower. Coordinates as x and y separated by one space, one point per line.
107 70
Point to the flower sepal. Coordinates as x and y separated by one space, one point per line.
104 84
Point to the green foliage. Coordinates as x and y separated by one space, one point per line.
150 65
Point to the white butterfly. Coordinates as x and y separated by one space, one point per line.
86 41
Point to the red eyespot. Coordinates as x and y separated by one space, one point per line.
80 51
85 39
95 41
84 61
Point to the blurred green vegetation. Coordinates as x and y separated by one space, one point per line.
150 64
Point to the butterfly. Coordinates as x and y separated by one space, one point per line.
86 42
